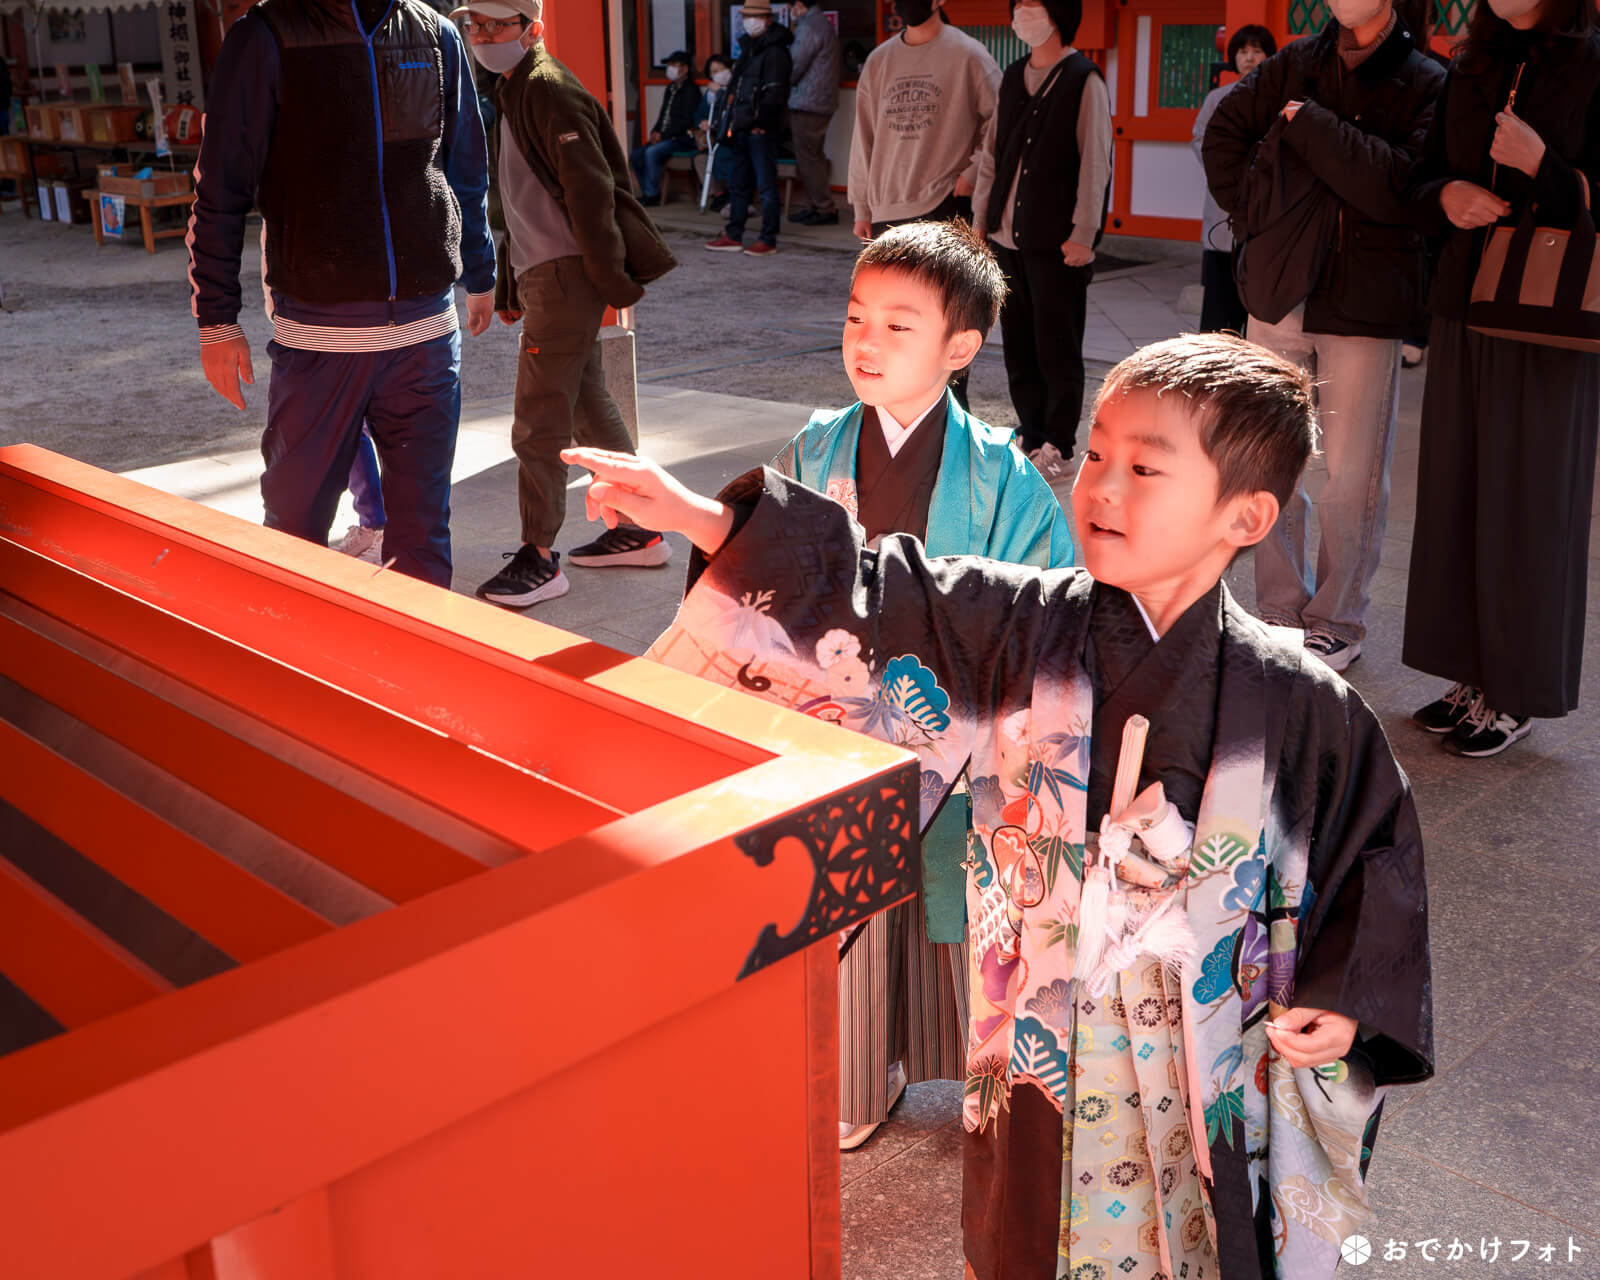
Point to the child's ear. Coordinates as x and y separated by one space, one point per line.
962 349
1254 514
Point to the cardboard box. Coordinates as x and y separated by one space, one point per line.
13 155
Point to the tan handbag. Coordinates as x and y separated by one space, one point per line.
1539 284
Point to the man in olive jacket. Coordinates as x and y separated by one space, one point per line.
577 241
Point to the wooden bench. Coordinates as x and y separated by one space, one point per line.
694 166
144 204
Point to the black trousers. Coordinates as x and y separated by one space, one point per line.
948 209
1042 326
1221 311
1505 488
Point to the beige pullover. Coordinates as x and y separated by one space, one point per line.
921 112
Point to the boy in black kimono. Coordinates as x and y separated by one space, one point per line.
1210 1119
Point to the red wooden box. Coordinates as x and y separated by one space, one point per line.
352 928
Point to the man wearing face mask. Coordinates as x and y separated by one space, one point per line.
1349 111
674 129
374 209
757 92
577 241
1044 183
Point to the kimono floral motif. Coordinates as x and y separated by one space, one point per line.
986 801
844 493
837 646
849 678
1216 972
1053 1004
909 703
745 624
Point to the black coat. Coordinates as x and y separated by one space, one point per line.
759 90
1361 134
680 104
1559 97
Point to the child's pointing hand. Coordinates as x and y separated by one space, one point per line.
1311 1037
635 490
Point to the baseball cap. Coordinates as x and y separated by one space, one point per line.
532 9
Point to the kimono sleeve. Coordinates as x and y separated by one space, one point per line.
1364 942
914 651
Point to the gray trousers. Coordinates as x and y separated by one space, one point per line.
561 396
810 132
1358 400
901 999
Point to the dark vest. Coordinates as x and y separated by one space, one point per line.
1039 132
354 196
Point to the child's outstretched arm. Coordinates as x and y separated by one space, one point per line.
627 487
1311 1037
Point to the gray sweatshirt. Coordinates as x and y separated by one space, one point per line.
921 113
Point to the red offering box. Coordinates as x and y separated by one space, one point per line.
357 928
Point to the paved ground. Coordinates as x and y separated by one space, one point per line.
1501 1144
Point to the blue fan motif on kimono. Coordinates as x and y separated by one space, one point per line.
1249 887
1035 1052
1216 971
908 697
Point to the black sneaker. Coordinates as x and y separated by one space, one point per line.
1483 731
1444 714
528 579
627 544
801 216
1337 653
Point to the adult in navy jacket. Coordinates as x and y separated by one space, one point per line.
353 126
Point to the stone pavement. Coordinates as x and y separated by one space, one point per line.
1502 1142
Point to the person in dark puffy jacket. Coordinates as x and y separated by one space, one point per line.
674 129
757 96
1352 105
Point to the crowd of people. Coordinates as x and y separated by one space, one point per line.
1169 994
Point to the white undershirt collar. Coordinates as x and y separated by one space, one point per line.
895 435
1146 616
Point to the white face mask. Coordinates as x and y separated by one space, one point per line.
499 58
1509 9
754 26
674 71
1032 25
1355 13
721 76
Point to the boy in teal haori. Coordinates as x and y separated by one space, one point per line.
907 458
1202 1108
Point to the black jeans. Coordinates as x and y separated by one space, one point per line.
1042 326
755 164
948 209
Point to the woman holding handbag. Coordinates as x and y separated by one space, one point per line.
1506 472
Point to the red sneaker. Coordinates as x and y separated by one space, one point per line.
761 249
724 244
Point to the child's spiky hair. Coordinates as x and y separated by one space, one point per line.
952 258
1257 412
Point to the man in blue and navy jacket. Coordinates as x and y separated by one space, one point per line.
353 126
